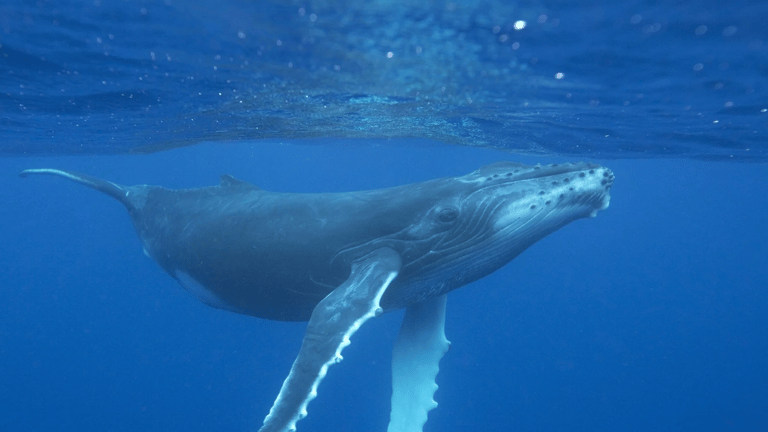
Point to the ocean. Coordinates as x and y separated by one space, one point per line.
651 316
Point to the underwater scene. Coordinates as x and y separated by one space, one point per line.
212 192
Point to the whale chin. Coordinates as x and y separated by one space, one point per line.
604 205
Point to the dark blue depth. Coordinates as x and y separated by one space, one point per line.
651 316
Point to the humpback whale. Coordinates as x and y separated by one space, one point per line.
337 260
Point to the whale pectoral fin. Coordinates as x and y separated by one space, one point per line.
415 363
333 322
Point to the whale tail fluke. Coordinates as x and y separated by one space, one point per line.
114 190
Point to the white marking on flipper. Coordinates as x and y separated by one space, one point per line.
415 364
334 320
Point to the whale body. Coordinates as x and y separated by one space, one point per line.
339 259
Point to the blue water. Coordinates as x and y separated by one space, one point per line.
638 78
652 316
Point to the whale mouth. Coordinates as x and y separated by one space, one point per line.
607 183
582 193
553 194
515 205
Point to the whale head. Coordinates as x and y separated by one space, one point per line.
488 217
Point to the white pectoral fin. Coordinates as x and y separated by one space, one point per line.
333 322
415 363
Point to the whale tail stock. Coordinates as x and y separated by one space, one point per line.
114 190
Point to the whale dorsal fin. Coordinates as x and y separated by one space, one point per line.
227 180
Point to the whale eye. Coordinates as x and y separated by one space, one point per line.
448 214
